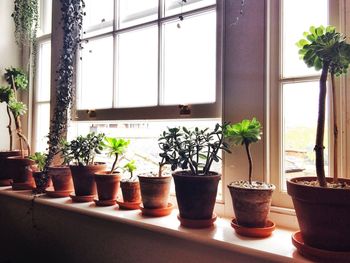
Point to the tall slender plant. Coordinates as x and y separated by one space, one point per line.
71 21
324 48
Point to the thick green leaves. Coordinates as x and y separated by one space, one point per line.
244 132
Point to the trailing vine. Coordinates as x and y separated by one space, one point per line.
71 21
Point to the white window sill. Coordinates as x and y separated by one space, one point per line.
278 247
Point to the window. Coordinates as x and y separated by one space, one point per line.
145 59
41 100
294 90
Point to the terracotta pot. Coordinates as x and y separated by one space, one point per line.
131 191
155 191
5 175
83 178
251 206
41 182
196 195
21 170
61 177
107 185
323 214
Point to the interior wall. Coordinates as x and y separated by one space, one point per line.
9 56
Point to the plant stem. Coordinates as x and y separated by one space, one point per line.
247 148
335 132
9 127
114 163
319 147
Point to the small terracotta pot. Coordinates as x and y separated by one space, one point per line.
5 174
83 178
21 170
323 214
107 185
251 206
61 177
131 191
155 191
42 181
196 195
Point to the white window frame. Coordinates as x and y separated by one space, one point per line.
274 137
208 110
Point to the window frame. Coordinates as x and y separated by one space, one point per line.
274 114
205 110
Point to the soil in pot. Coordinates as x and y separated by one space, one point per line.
251 202
5 174
61 177
131 191
83 178
323 213
21 172
107 185
155 191
196 195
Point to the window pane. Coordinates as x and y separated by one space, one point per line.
173 7
45 17
133 12
42 91
298 16
138 68
99 17
42 125
300 109
96 74
190 60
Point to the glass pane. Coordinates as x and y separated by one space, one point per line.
43 83
99 17
173 7
298 16
133 12
138 68
143 136
96 74
45 17
42 126
190 60
300 109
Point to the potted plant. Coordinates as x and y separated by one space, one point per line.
19 166
82 151
322 205
251 199
155 190
194 151
130 189
39 177
107 182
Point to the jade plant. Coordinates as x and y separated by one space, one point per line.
115 147
82 150
17 81
326 50
195 149
245 133
130 167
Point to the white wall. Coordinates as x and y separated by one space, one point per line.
9 56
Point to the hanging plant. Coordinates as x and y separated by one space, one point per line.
26 17
71 21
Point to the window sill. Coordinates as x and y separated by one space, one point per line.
276 248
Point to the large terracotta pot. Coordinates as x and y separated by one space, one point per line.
61 177
21 170
107 185
323 214
83 178
251 206
5 174
131 191
196 195
155 191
